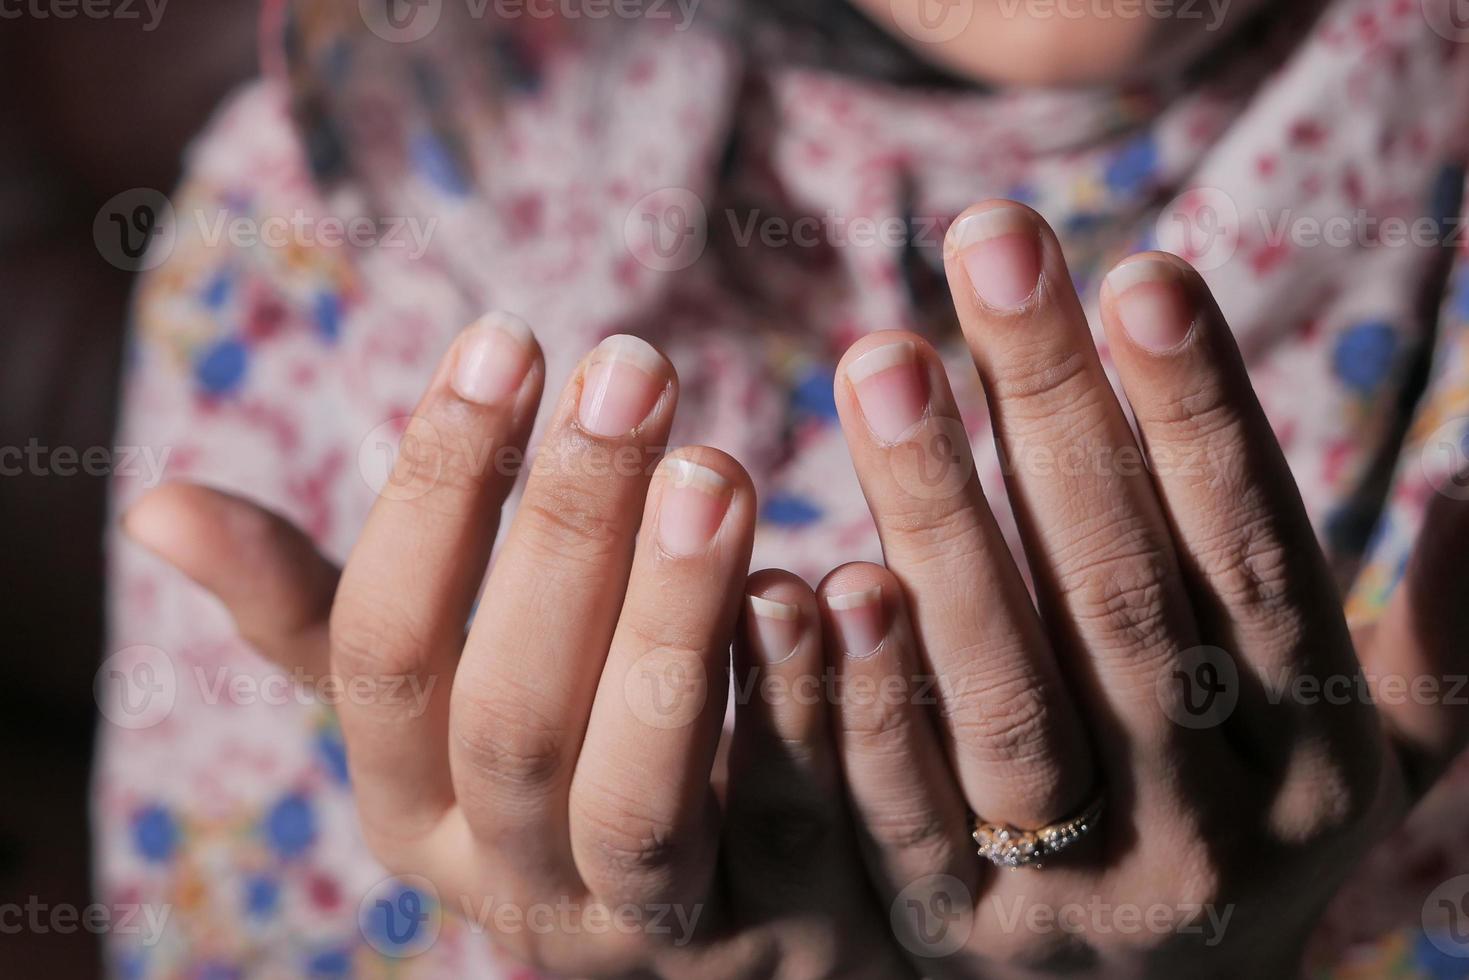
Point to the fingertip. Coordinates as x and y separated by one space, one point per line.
780 585
861 601
623 386
851 365
992 218
886 385
705 461
780 618
853 578
493 360
174 519
702 502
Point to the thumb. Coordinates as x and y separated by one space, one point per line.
1420 646
264 569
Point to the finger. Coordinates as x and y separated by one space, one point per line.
1262 587
1418 649
912 824
525 685
409 585
782 814
644 818
266 571
789 846
1107 580
1013 732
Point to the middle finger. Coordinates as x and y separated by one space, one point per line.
1107 578
525 686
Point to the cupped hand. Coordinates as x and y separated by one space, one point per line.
1185 661
558 765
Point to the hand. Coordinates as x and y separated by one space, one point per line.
1184 660
562 758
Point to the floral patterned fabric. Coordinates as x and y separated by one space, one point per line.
543 166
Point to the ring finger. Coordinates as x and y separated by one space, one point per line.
1014 736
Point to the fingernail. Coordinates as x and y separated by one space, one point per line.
774 629
692 508
1152 303
859 621
891 389
1001 256
622 384
494 356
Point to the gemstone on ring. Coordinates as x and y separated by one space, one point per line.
1011 847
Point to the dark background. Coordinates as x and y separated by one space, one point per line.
89 107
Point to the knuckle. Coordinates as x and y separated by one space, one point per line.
1249 568
573 523
461 471
920 833
1192 415
1329 805
680 639
936 532
509 743
1121 585
874 729
369 638
1038 382
632 843
1009 723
